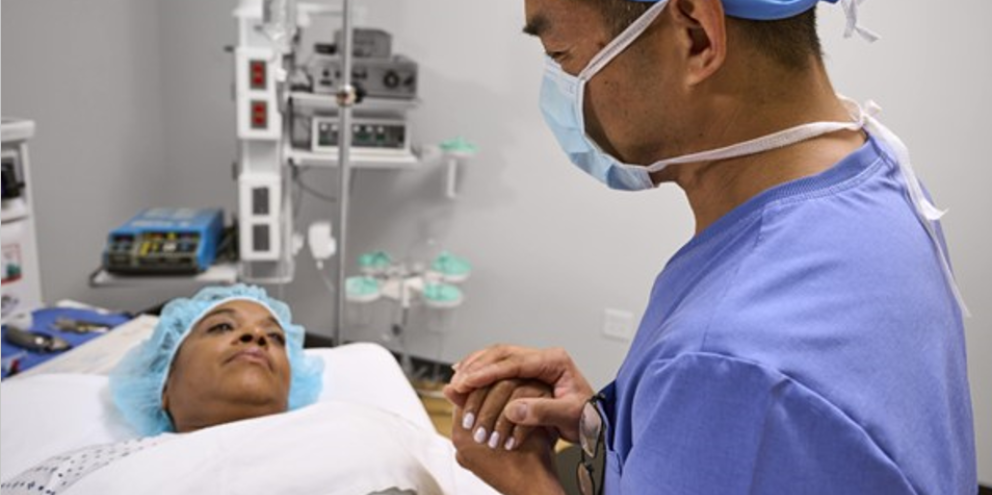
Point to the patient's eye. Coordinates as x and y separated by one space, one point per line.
220 327
278 337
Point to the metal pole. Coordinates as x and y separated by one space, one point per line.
345 99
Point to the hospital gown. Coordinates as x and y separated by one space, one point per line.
805 343
59 473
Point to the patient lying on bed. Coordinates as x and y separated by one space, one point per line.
206 393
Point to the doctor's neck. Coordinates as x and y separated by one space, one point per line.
749 99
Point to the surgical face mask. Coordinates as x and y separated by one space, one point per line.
563 97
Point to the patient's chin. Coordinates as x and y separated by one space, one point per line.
257 386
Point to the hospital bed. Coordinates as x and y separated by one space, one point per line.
368 433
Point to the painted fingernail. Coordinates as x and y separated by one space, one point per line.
480 435
468 420
494 440
510 443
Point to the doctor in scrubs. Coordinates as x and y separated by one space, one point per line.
808 339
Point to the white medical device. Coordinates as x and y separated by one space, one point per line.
370 135
272 106
321 241
21 285
259 198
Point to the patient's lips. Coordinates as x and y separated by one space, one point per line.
252 355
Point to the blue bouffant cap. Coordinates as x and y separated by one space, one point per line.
765 10
771 10
136 383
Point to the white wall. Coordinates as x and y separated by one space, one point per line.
551 248
529 287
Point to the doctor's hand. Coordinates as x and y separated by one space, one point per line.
529 469
570 390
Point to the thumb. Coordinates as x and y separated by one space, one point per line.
558 413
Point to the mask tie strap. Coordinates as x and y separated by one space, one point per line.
853 26
924 209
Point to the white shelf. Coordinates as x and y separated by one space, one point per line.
13 130
221 273
302 100
14 209
364 160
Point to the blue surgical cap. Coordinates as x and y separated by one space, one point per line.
136 383
764 10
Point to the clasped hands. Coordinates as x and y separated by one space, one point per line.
511 404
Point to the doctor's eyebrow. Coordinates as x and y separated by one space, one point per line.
537 25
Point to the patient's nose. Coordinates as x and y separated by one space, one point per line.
255 334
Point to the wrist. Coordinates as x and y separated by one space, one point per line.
544 484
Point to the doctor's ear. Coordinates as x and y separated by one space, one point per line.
701 31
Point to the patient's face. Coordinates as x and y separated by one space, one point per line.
232 366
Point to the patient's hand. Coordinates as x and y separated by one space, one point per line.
486 412
528 469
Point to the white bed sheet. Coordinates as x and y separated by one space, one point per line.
49 414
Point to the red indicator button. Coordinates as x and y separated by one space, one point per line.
257 71
259 115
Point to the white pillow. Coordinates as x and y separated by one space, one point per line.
49 414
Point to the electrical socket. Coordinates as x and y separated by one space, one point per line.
618 324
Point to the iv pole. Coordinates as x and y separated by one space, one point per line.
346 96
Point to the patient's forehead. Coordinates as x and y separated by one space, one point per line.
243 309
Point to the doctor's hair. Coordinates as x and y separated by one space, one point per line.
792 42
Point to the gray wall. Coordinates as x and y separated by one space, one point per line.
90 74
551 249
932 80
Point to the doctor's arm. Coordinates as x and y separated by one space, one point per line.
712 423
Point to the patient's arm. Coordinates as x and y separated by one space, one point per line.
527 469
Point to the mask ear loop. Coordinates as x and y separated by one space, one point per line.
621 42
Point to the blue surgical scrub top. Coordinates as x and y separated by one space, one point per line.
805 343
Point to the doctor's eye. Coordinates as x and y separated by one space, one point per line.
556 56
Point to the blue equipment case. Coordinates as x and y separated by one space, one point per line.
165 241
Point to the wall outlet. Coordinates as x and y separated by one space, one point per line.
618 324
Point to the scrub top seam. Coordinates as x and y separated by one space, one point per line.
831 190
730 284
790 192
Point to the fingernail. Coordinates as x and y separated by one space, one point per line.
480 435
519 412
510 443
456 365
494 440
468 420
